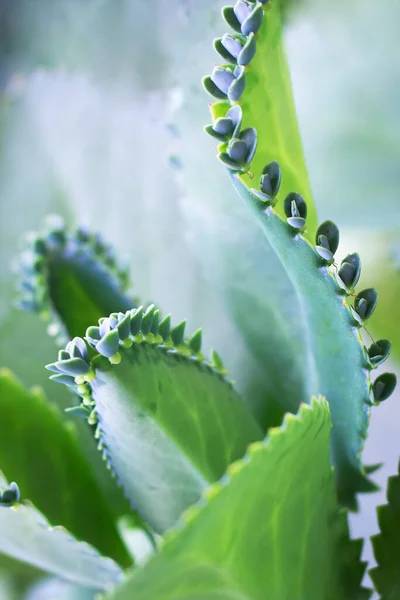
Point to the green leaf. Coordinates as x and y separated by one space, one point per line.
28 536
19 575
51 589
386 544
268 105
41 452
334 355
314 306
238 263
267 530
71 280
167 418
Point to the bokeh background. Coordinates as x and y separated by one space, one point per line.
101 115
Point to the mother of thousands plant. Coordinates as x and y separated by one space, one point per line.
235 502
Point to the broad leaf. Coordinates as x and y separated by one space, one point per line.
324 343
41 452
254 290
71 279
28 536
266 530
386 545
341 374
169 421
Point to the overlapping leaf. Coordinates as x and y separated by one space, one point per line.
267 530
386 545
42 453
168 420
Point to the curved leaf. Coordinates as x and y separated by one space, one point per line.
267 530
168 420
27 535
342 374
268 105
326 342
386 545
71 279
237 262
41 452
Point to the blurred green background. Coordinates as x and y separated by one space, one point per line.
101 109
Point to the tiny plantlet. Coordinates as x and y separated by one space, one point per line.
237 497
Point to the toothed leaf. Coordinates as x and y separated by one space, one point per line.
342 379
178 333
251 540
268 106
29 537
147 320
195 420
164 329
240 266
78 282
195 341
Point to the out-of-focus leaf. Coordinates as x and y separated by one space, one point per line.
55 34
386 545
344 63
162 401
41 453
